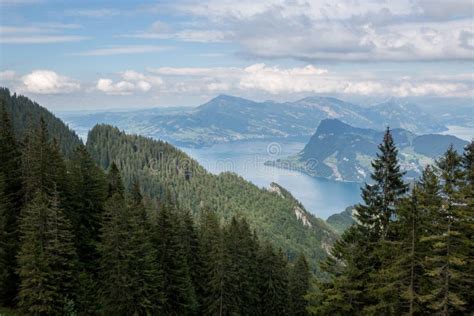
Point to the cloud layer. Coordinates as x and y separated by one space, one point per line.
346 30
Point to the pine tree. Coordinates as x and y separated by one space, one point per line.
179 295
147 274
448 243
190 238
88 190
46 259
10 164
299 284
467 224
273 282
115 262
115 184
4 208
215 260
130 276
364 252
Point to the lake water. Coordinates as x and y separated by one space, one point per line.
463 132
321 197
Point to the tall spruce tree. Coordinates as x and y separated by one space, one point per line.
88 191
214 259
242 249
467 224
364 250
273 282
10 171
47 258
449 246
4 208
179 295
299 284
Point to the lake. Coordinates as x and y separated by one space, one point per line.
321 197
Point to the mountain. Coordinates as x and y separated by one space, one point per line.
342 221
227 118
342 152
163 169
25 114
399 114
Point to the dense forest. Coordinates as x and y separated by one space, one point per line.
163 169
127 225
75 241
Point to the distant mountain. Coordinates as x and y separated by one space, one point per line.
399 114
342 221
227 118
342 152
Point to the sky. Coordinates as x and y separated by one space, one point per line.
76 55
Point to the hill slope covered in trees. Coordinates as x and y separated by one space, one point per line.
25 115
161 169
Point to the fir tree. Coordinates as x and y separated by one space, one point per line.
10 163
273 282
46 258
448 243
88 190
300 277
179 295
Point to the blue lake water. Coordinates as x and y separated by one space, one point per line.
321 197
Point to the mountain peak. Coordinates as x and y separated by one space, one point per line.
332 126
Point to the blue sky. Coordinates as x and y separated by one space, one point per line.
73 55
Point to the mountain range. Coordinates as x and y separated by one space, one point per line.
343 152
227 118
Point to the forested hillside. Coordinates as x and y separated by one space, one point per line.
25 115
74 240
162 169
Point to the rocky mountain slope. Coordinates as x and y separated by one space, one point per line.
342 152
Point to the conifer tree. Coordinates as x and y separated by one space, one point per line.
179 295
449 246
214 259
10 163
46 259
190 238
467 223
88 190
4 208
273 282
115 183
364 250
299 279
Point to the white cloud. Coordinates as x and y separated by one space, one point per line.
346 30
47 82
94 13
275 80
131 82
39 33
121 87
122 50
41 39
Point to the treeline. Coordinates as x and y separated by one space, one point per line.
24 114
75 241
411 250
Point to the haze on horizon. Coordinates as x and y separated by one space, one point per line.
119 54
